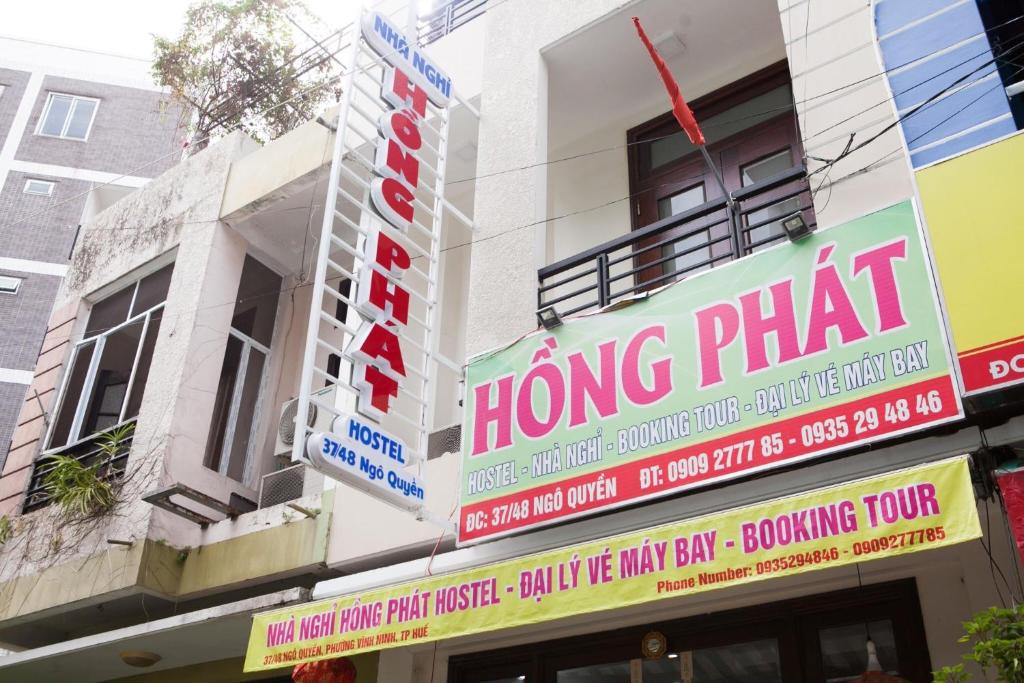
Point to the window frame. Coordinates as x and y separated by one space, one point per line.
237 390
17 286
67 121
49 183
133 280
88 384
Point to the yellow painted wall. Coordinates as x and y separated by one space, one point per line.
974 207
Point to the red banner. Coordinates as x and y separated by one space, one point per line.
992 366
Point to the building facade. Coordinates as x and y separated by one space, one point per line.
65 157
732 451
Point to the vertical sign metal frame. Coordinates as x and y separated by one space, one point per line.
348 163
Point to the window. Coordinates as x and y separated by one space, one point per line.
107 373
43 188
9 284
236 406
67 116
753 139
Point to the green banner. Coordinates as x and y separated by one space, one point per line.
791 353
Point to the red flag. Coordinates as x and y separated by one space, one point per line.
679 107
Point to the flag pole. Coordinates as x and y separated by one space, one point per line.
718 175
682 111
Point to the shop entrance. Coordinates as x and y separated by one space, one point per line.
817 639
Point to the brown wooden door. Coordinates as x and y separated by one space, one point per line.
664 185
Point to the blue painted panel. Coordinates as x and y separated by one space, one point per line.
972 139
943 118
918 83
938 33
892 14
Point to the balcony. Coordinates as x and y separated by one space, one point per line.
87 451
675 247
441 21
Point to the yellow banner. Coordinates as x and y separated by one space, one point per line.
920 508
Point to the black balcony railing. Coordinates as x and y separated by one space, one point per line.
448 17
674 247
87 452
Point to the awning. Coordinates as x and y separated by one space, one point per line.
206 635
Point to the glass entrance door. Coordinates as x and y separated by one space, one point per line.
815 639
757 660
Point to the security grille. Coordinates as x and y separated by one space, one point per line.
446 440
282 486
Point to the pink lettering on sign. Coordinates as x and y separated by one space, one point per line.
536 403
832 317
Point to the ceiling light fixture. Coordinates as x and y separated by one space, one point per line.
139 658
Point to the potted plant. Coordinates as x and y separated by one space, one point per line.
81 489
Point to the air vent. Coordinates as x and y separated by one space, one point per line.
446 440
282 486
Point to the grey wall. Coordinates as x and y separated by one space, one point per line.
132 129
15 88
25 315
11 398
135 132
40 228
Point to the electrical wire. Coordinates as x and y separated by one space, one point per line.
877 161
847 150
529 166
507 231
501 233
914 110
373 64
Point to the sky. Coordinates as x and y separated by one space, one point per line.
122 27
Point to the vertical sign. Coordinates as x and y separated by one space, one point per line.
381 234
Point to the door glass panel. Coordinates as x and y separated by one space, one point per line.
721 126
246 413
737 663
765 235
688 260
766 168
112 376
617 672
256 305
222 402
72 392
844 650
681 201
